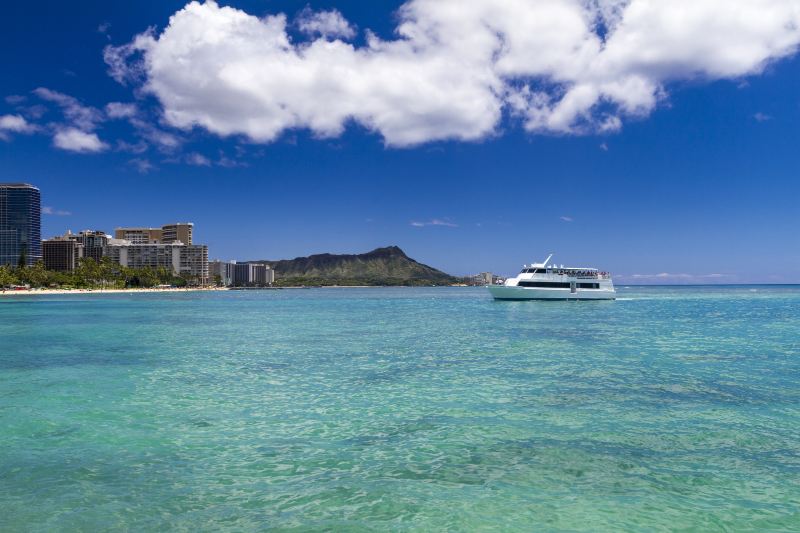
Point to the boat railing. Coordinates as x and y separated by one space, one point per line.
596 275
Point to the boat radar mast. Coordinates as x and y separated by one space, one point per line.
543 264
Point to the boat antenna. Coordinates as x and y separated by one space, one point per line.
546 260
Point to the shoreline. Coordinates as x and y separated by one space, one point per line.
51 292
61 292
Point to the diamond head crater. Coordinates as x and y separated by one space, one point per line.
388 266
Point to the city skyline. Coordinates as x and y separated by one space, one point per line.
695 186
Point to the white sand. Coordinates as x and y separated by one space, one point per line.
49 292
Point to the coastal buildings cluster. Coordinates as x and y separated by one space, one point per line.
484 278
170 246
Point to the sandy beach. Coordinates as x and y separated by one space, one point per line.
50 292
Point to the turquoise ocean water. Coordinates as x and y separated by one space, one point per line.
401 409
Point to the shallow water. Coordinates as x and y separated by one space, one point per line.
402 409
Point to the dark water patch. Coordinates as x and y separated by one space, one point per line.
41 361
392 433
200 423
717 357
661 396
255 364
43 354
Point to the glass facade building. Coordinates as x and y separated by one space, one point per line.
20 224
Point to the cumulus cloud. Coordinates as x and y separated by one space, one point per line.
434 222
76 140
327 24
124 62
453 69
15 124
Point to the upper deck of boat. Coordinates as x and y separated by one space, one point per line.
579 273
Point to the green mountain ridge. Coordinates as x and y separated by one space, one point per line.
382 266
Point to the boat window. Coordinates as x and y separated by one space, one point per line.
588 285
544 284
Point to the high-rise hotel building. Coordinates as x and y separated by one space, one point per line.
62 254
139 235
20 224
180 232
233 274
167 234
182 260
169 246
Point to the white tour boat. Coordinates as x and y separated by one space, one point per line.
541 281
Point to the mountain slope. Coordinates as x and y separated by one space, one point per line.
382 266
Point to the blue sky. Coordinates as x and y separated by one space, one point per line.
689 176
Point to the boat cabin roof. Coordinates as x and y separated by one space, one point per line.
560 269
542 268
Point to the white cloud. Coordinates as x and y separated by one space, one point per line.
566 219
143 166
145 130
35 111
15 124
120 110
434 222
560 66
227 162
198 160
15 99
327 24
761 117
76 140
165 141
134 148
84 117
123 64
261 84
47 210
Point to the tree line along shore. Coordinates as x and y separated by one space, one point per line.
91 274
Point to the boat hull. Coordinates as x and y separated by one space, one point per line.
504 292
